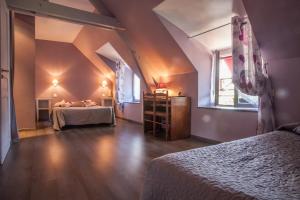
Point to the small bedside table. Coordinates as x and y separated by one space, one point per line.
43 107
107 101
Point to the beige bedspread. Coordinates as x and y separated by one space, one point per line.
62 116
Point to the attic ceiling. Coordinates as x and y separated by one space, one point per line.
276 27
58 30
197 16
78 4
93 41
155 51
108 51
87 39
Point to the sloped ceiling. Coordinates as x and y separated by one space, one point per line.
78 4
62 31
87 39
108 51
58 30
276 26
156 51
197 16
90 39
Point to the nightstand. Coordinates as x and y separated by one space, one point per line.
43 109
107 101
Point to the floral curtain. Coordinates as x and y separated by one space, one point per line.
249 72
120 79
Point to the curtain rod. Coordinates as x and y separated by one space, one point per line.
210 30
213 29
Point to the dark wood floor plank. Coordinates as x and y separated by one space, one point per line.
84 163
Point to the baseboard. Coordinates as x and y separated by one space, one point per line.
27 129
129 120
205 140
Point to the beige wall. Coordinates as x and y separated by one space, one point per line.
24 92
78 78
89 40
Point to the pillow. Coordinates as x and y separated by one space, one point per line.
90 104
60 104
88 100
293 127
297 130
77 104
68 104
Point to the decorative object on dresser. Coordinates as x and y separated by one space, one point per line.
43 109
167 116
107 101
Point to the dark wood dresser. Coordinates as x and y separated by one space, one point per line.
168 117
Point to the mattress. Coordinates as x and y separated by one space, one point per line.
62 116
260 167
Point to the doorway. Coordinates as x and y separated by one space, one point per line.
5 121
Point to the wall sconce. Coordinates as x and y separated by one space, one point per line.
55 83
104 88
104 84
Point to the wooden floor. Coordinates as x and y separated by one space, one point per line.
44 129
83 163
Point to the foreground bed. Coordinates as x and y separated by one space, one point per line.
63 116
261 167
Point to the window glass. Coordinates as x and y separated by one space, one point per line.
226 87
129 85
226 94
136 88
128 92
245 100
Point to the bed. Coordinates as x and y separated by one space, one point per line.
261 167
63 116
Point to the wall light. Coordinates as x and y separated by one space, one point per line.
104 84
55 83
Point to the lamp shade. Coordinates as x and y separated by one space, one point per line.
162 86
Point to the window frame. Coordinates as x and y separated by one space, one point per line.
236 104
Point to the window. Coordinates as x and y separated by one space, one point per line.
136 88
130 86
225 93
